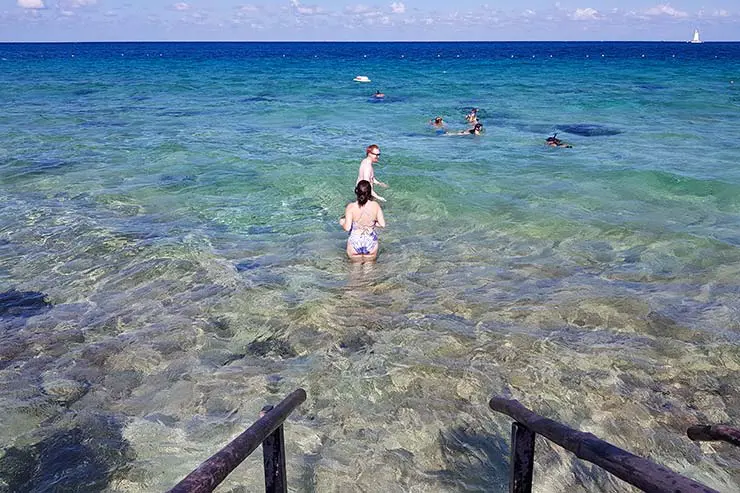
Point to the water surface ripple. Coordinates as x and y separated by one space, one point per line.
170 260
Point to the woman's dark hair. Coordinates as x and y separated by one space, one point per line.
364 191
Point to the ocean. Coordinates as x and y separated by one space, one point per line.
171 260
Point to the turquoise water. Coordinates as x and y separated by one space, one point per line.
176 207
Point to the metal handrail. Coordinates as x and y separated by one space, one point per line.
267 431
637 471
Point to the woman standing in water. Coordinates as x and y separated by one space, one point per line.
360 219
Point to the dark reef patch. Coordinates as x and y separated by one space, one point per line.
271 347
22 303
589 130
84 458
356 342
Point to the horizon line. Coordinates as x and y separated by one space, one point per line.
363 41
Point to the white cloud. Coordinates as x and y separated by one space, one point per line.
586 14
66 6
31 4
249 15
714 13
181 6
398 8
300 9
665 9
357 9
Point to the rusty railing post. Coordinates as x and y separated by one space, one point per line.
215 469
714 433
522 459
273 456
637 471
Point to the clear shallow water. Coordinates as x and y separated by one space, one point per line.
177 204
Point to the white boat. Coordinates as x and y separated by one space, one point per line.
696 39
361 78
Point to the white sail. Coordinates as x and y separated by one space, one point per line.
695 39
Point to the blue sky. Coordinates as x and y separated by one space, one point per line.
359 20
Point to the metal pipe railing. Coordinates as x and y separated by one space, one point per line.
268 431
637 471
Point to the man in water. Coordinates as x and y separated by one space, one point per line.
368 173
555 142
439 125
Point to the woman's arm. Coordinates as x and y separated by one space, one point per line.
380 219
346 221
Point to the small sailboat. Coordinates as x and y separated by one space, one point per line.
696 39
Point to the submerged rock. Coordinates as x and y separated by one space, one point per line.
63 390
22 303
84 458
356 342
271 347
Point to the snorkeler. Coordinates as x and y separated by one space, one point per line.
439 125
476 130
555 142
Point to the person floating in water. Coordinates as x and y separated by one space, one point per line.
368 173
476 130
378 95
472 117
438 124
555 142
360 220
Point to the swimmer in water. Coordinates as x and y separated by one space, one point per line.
378 95
476 130
555 142
472 117
439 125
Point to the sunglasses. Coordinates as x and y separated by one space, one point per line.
375 154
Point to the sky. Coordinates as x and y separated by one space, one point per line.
359 20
